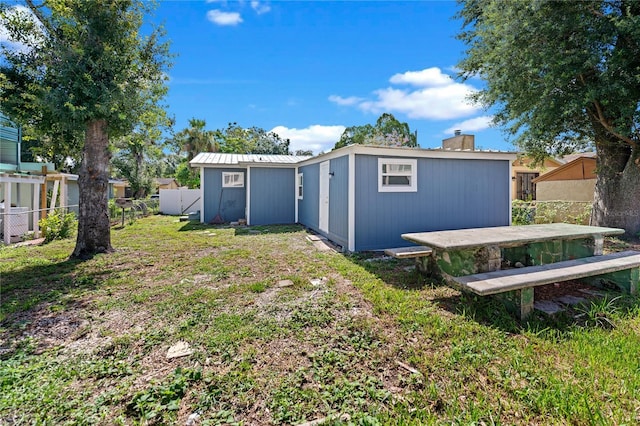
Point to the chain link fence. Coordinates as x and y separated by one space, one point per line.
21 223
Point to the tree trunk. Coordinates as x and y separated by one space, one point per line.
617 195
94 232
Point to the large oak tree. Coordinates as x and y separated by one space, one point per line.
83 66
564 75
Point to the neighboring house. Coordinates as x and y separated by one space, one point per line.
523 175
21 185
574 181
361 197
117 188
63 191
166 183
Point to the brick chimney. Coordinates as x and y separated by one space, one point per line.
459 142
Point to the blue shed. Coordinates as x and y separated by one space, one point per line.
361 197
256 187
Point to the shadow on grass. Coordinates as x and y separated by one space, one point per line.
26 288
400 274
243 230
596 312
490 311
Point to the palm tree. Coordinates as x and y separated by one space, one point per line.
195 139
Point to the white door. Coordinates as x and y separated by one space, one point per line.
323 214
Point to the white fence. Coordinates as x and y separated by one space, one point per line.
179 201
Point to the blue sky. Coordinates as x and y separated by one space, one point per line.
308 69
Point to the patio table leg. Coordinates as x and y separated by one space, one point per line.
519 302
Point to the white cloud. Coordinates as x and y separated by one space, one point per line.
437 97
472 125
317 138
219 17
351 100
429 77
260 8
435 103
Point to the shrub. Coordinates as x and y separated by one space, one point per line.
57 225
522 212
528 212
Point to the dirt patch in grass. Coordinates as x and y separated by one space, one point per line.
567 288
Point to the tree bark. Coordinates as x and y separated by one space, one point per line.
94 231
617 194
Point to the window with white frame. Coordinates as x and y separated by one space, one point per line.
300 186
397 175
233 179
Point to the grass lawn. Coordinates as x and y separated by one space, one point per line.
351 338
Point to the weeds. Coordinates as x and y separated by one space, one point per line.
599 312
162 400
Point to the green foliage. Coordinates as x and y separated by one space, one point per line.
600 313
563 211
588 49
79 73
81 62
195 139
528 212
252 140
387 132
522 212
138 154
57 225
159 400
187 176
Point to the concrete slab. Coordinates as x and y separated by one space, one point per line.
548 307
571 300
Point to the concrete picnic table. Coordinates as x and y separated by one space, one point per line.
472 259
469 251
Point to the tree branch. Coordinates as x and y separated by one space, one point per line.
38 13
607 125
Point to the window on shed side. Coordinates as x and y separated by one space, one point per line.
300 185
233 179
397 175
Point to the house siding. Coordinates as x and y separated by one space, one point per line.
339 200
451 194
272 192
309 206
9 139
233 199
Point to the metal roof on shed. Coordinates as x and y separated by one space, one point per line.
218 159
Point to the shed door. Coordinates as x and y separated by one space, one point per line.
323 214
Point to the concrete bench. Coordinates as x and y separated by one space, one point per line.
409 252
523 280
